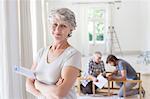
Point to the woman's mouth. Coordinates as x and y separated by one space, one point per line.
56 34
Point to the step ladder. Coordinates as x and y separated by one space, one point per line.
114 45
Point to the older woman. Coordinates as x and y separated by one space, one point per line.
58 65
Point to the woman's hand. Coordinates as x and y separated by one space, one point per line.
37 84
30 87
92 78
60 81
45 89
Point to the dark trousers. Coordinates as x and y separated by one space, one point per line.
88 88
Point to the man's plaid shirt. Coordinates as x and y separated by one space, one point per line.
96 68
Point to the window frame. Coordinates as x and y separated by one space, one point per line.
101 7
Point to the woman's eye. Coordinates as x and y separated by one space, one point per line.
55 24
63 26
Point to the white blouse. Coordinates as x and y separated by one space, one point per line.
49 73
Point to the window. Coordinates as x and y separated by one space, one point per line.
96 25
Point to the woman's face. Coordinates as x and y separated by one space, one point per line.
59 29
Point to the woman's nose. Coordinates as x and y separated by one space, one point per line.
57 28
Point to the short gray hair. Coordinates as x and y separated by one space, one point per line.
98 52
65 14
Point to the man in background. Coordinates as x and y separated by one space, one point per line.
95 68
122 72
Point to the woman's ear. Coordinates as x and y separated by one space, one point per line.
70 34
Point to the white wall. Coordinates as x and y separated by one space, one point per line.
131 23
145 23
127 25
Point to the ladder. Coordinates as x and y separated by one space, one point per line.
114 45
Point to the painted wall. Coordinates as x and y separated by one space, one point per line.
131 23
145 23
127 25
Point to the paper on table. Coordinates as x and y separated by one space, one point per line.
101 81
25 72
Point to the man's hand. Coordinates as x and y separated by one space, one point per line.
96 80
92 78
110 77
